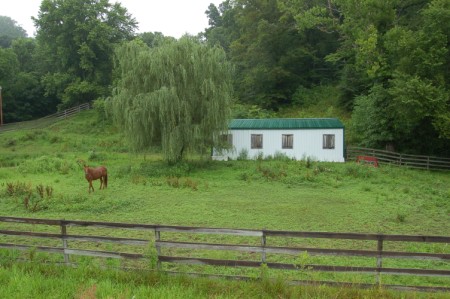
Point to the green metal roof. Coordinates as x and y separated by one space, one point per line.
285 123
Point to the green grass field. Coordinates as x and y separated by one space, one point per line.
273 194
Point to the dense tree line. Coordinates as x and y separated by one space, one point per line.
388 61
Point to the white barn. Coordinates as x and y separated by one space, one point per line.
321 139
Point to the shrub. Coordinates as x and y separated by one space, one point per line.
46 164
259 156
18 189
32 201
243 154
280 156
100 109
95 156
189 183
173 182
176 182
271 173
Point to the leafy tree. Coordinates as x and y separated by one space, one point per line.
9 30
176 96
223 27
25 49
154 39
77 40
23 93
9 67
272 57
393 57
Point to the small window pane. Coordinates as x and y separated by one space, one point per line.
328 141
287 141
257 141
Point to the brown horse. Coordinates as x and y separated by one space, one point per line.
92 174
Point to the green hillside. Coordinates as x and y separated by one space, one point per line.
275 194
297 195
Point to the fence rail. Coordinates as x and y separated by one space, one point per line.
44 121
393 158
70 246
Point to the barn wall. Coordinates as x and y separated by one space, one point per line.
307 143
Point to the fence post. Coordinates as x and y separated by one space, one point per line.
263 245
64 240
379 259
158 248
428 162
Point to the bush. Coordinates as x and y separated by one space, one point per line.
96 156
100 109
279 156
46 164
243 154
32 201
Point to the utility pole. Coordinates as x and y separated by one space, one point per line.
1 107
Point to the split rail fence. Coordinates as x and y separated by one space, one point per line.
19 234
393 158
44 121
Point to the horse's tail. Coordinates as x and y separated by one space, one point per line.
106 180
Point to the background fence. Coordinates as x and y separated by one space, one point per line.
45 121
393 158
425 256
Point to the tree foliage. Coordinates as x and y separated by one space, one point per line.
273 59
23 93
394 60
77 39
10 30
177 96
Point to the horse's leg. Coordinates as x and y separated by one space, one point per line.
90 186
101 183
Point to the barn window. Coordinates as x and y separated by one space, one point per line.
226 140
328 141
287 141
257 141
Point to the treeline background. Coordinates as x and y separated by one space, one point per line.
380 66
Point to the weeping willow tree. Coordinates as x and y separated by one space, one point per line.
176 96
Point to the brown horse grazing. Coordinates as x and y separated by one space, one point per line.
94 174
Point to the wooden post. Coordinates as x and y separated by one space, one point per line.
158 248
64 241
379 259
263 245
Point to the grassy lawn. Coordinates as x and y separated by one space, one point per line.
271 194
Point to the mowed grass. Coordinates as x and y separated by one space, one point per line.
274 194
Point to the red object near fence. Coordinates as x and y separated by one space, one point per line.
367 159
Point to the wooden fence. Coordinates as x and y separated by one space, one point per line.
44 121
393 158
70 245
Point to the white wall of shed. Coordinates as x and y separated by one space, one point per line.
307 143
